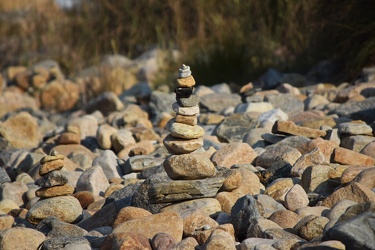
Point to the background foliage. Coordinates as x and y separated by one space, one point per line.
231 40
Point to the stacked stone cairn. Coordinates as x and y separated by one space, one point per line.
186 137
53 182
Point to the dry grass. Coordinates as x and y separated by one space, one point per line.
233 40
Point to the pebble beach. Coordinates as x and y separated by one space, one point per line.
258 167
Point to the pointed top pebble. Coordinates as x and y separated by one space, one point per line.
184 71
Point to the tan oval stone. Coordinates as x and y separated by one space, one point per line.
130 213
184 131
167 222
55 191
189 167
182 146
234 153
21 238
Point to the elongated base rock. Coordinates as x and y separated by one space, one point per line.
163 189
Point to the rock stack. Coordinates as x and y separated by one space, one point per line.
53 182
185 135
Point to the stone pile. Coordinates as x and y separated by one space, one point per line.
53 182
185 135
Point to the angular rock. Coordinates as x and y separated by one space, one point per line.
315 157
366 178
356 142
356 233
107 160
350 172
93 180
316 179
349 157
324 146
354 128
267 119
234 153
189 167
243 211
277 155
354 191
269 205
369 150
290 128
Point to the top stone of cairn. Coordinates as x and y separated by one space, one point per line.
184 71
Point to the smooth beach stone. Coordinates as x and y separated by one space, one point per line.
50 166
66 242
184 131
166 222
21 238
185 110
178 146
21 130
65 208
163 241
187 119
183 92
93 180
189 167
103 135
47 192
190 101
210 206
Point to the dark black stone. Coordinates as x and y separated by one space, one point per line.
183 92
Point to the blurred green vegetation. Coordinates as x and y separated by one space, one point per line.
223 41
